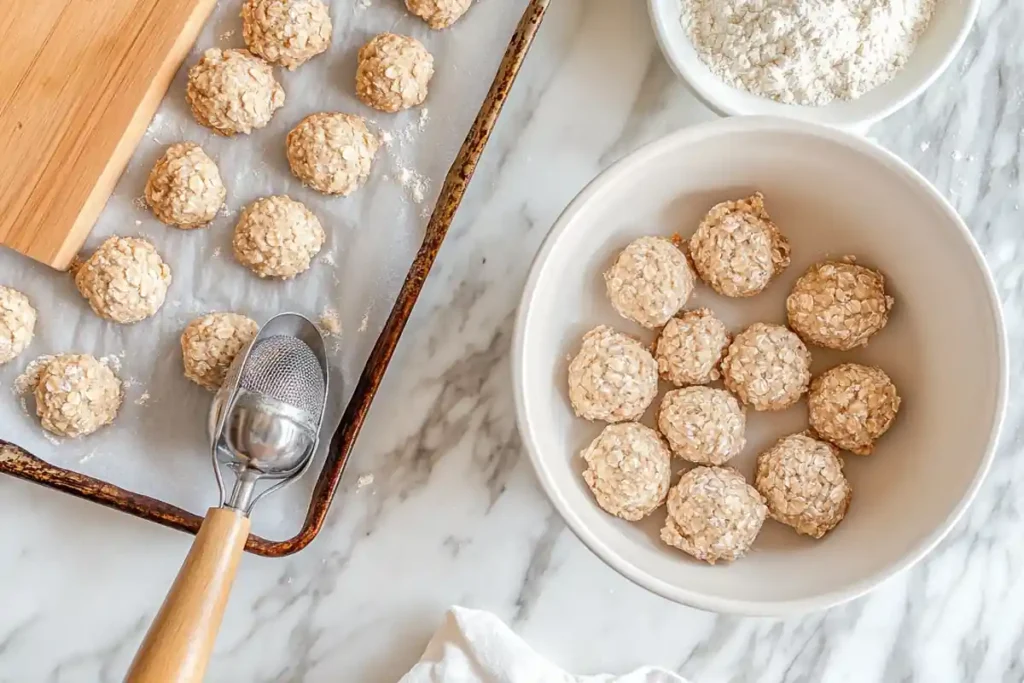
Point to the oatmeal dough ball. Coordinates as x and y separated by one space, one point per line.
439 14
17 323
852 406
76 395
210 343
393 72
767 366
838 305
802 480
286 32
703 425
690 348
277 237
628 469
125 280
331 152
233 91
649 281
613 378
184 187
737 249
713 514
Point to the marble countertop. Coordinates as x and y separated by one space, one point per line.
453 514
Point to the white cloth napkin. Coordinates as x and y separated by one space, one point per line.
476 647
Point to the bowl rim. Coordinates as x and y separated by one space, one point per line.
623 566
684 70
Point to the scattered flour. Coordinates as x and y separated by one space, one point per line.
216 252
328 259
365 322
139 203
143 399
364 481
330 322
414 184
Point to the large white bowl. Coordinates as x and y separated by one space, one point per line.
938 45
832 194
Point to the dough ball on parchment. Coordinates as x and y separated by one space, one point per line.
210 343
17 323
613 378
184 187
737 249
628 470
439 14
767 366
233 91
713 514
393 72
649 281
332 152
277 237
76 394
852 405
703 425
286 32
802 480
838 305
691 347
125 280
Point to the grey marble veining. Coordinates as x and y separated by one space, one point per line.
454 514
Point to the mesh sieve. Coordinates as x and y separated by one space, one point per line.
284 368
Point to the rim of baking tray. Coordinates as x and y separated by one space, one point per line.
685 67
624 167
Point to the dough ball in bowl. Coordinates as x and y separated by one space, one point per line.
286 32
767 366
17 323
76 394
852 405
713 514
690 348
185 188
649 281
439 14
277 237
233 91
628 470
613 377
838 305
210 343
125 280
332 152
393 73
703 425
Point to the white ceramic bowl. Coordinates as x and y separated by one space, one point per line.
941 41
833 194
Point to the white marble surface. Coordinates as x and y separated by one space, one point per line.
454 514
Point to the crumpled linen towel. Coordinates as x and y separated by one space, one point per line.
476 647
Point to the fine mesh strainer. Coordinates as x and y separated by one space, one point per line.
264 427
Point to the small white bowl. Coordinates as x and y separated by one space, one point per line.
832 194
938 45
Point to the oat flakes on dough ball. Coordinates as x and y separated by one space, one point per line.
17 323
277 237
210 343
439 14
332 152
393 72
703 425
233 91
737 249
613 378
852 405
802 481
690 348
838 305
286 32
125 280
76 394
649 281
713 514
767 366
628 470
184 187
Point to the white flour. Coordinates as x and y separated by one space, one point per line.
806 51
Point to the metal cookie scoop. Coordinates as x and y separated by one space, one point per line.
264 427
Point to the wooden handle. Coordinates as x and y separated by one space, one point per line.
178 645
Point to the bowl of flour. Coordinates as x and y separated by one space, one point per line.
845 63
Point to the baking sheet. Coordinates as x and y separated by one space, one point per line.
158 445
